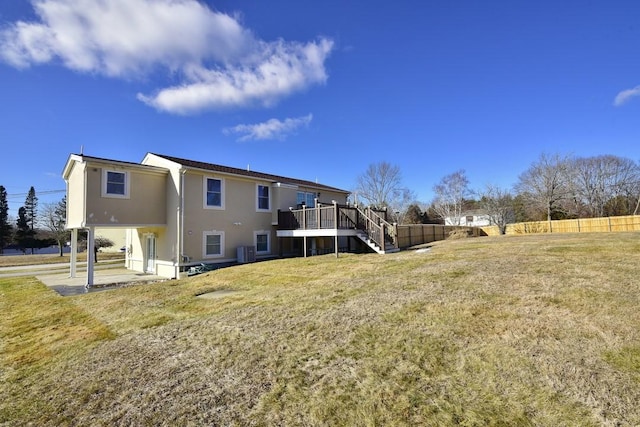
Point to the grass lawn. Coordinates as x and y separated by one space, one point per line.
519 330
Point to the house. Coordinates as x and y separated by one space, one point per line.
176 213
472 218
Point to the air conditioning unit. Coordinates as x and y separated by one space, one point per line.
246 254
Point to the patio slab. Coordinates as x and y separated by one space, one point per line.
103 280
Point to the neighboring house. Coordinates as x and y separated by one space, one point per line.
176 212
473 218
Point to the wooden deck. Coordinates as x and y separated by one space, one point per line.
368 225
333 220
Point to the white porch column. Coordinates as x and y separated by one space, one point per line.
336 224
304 244
74 253
90 255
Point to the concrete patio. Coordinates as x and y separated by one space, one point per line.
104 279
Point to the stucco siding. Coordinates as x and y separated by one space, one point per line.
145 203
76 195
238 221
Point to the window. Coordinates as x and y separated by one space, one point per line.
308 199
263 198
261 239
115 184
213 244
213 193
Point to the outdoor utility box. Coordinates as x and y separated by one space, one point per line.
246 254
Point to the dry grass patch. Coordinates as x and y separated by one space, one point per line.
531 330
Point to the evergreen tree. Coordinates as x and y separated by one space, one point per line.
413 215
31 210
5 227
24 237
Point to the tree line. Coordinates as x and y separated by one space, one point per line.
553 187
33 228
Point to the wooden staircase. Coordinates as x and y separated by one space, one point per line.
376 232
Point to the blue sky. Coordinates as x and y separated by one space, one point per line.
316 90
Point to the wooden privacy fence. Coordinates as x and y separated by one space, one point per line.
581 225
417 234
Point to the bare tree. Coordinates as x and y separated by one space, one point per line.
451 192
54 219
546 184
602 183
381 186
498 204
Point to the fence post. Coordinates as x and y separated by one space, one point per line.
397 238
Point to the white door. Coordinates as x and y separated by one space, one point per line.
151 254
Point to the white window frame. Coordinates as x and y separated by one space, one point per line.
258 208
205 234
127 181
306 195
204 193
255 241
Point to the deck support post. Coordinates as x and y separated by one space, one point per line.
90 255
74 253
304 246
336 225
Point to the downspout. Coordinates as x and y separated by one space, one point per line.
181 223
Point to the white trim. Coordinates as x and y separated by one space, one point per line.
268 187
255 241
127 182
204 243
328 232
204 193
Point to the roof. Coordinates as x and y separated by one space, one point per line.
242 172
84 158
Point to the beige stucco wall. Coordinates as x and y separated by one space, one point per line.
146 203
239 219
116 235
287 196
76 195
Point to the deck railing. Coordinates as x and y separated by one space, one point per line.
343 217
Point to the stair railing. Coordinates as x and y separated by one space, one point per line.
377 228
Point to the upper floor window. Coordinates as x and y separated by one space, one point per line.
213 193
263 198
306 198
115 184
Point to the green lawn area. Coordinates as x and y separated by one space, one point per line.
508 330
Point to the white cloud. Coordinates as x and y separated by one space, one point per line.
281 69
219 63
625 95
271 129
